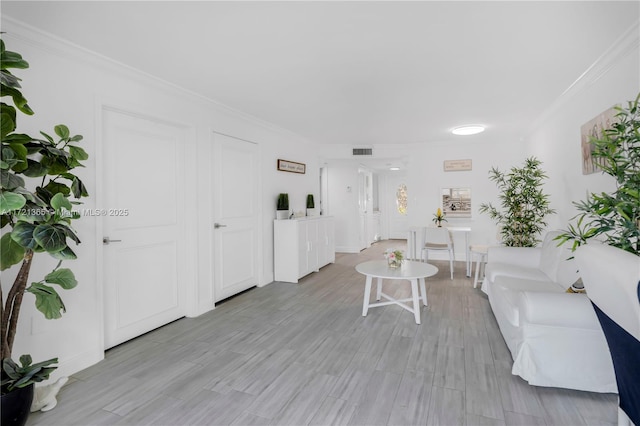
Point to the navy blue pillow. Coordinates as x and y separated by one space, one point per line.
625 354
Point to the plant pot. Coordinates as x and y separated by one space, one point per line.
311 212
282 214
16 405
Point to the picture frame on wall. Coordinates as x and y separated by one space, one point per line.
593 129
456 202
291 166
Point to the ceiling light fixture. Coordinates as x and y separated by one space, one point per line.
394 168
468 130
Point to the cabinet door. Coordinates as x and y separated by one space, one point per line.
326 249
330 244
312 240
303 249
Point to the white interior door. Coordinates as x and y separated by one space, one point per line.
143 222
236 215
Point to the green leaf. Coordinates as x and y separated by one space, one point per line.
59 201
64 254
56 187
11 253
62 131
50 238
34 169
63 277
7 125
78 188
23 234
10 201
19 101
48 300
9 180
78 153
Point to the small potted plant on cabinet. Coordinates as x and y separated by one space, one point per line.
311 206
282 211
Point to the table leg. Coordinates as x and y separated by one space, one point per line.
467 255
367 295
424 291
379 289
416 300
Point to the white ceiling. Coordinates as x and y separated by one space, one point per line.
359 73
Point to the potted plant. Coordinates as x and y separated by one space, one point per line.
614 217
524 204
439 217
33 221
311 206
282 211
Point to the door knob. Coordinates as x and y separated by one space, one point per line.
107 240
217 225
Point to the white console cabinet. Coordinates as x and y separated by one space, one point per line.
302 246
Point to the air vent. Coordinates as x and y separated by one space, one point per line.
363 151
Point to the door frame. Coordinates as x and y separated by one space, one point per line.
103 104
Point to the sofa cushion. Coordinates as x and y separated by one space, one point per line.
494 270
551 255
508 290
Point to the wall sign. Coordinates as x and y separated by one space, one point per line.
291 166
457 165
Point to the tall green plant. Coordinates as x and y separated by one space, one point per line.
524 204
614 217
34 218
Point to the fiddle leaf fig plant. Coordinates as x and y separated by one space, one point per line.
524 204
615 216
38 190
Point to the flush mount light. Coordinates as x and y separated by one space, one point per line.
468 130
394 168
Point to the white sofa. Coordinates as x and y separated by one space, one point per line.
554 337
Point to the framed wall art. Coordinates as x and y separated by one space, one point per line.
593 129
291 166
456 202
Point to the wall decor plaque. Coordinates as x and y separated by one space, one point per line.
291 166
457 165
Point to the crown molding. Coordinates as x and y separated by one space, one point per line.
627 44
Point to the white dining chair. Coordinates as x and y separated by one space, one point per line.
438 239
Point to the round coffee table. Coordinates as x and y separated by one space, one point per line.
413 271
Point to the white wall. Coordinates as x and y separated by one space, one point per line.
425 176
66 84
555 137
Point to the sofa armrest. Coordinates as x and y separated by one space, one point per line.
568 310
529 257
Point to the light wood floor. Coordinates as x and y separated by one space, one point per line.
302 354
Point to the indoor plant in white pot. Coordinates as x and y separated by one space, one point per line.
311 206
36 185
282 208
524 204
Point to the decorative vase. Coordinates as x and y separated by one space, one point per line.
16 405
394 263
